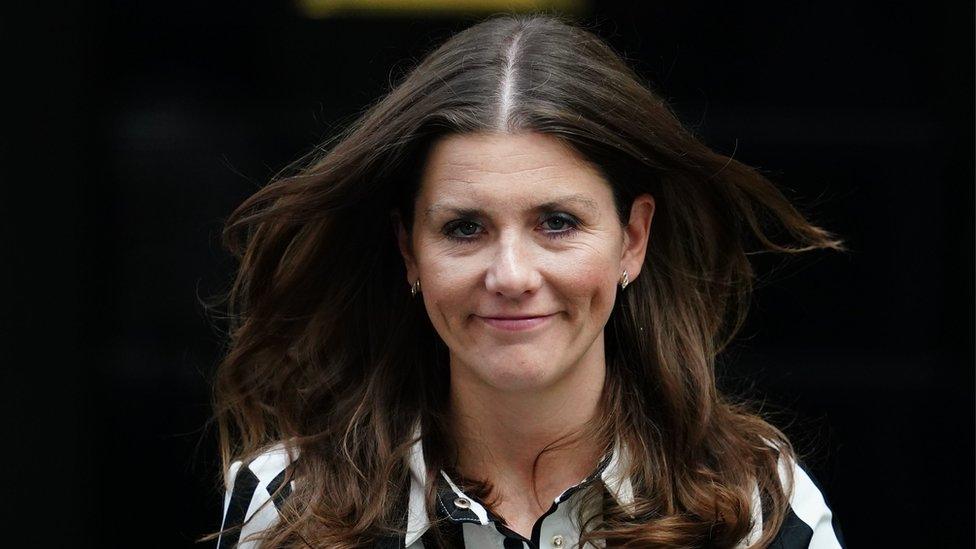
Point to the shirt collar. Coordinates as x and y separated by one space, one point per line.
612 471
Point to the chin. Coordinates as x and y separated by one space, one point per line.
518 371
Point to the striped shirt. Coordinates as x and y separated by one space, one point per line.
809 522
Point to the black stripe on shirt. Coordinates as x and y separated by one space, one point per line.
280 497
452 533
512 543
446 496
245 483
793 533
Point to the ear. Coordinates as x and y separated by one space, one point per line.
406 248
636 235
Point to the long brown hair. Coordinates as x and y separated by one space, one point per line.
329 353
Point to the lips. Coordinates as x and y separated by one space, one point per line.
516 323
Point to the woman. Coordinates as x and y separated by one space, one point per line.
488 316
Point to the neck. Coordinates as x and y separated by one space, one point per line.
500 434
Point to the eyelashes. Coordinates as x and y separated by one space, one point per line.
466 230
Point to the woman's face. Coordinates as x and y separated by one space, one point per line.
519 249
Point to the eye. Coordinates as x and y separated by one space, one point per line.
560 225
554 226
461 229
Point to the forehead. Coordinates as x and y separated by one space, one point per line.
514 167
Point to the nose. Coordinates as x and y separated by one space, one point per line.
513 270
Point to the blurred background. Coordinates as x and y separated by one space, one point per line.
132 129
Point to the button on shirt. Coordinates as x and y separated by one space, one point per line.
476 526
809 523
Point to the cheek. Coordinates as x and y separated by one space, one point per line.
446 284
588 282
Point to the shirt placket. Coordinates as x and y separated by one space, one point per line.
555 529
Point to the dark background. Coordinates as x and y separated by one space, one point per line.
133 128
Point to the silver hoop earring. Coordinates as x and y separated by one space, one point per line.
415 289
624 280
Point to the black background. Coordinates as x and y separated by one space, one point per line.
132 129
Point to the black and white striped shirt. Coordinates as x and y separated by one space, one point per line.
809 523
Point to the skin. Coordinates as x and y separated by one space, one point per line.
513 392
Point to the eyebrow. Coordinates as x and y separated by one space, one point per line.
554 204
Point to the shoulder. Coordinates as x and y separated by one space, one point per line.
810 518
809 521
254 492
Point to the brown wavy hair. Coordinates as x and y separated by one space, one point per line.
328 352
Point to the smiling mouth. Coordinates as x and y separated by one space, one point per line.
516 324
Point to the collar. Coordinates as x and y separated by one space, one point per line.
611 472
